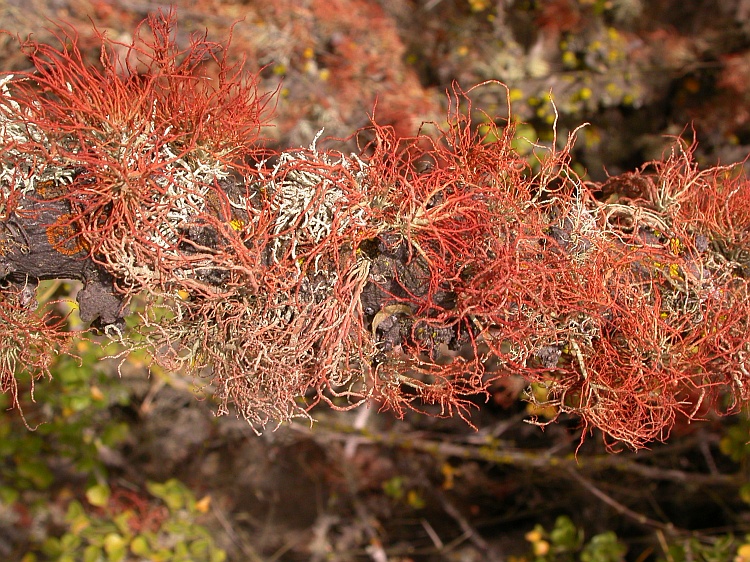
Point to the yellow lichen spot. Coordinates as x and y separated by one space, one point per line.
449 475
569 59
237 224
183 294
415 500
534 536
279 69
515 94
612 89
203 504
541 548
308 53
585 93
479 5
462 51
743 552
592 137
675 246
96 393
324 74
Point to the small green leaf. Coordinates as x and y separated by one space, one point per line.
51 547
200 548
218 555
565 534
92 553
79 403
140 547
37 473
8 495
394 487
161 556
181 551
172 492
70 542
115 547
603 548
98 495
122 521
75 510
115 433
745 493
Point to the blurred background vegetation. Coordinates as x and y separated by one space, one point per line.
119 461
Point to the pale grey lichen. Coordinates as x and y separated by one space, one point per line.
309 195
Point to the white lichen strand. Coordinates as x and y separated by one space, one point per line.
18 170
308 193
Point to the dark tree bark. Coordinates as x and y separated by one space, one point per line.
30 256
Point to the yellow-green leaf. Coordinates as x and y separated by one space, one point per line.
98 495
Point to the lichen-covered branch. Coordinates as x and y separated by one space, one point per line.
414 272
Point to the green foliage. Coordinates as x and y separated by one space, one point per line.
565 542
693 550
140 528
603 547
174 494
735 442
74 422
75 411
398 490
